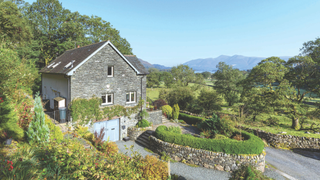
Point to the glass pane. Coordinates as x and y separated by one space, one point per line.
103 99
128 97
109 98
109 71
132 97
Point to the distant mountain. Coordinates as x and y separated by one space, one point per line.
209 64
238 61
147 65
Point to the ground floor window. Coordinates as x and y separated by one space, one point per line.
131 97
107 99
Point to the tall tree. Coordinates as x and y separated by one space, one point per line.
263 97
56 30
14 29
302 71
183 75
312 49
167 79
209 99
227 82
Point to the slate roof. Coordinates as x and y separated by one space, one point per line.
136 63
79 55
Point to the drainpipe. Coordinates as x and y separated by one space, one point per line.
141 90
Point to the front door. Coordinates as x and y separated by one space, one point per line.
111 129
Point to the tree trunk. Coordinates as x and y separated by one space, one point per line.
295 123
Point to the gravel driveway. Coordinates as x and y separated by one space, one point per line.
299 164
187 172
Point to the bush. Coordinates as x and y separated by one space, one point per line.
109 147
38 131
55 131
89 136
248 172
174 129
182 96
9 120
143 123
153 168
166 109
159 103
217 126
175 113
81 130
190 119
195 108
253 144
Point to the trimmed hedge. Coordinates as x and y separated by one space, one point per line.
190 119
253 144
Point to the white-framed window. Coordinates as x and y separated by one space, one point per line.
131 97
110 71
107 99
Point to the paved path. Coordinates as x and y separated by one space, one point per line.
297 164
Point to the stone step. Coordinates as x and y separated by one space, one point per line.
144 140
142 143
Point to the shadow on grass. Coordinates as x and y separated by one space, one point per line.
310 153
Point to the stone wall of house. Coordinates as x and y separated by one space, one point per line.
134 133
155 117
208 159
90 79
287 141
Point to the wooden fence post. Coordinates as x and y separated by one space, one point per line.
168 168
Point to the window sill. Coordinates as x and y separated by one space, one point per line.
130 102
107 104
109 76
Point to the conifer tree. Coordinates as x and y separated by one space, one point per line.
38 131
9 119
175 113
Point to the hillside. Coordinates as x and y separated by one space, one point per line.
209 64
238 61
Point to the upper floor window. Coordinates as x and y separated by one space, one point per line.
107 99
110 71
131 97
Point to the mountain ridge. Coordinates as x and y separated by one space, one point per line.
209 64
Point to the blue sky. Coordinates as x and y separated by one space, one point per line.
172 32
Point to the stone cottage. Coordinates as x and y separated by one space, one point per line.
97 70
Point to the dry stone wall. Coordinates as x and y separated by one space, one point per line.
208 159
287 141
134 133
155 117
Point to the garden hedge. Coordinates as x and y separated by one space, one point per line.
190 119
253 144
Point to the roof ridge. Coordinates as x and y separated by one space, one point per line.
86 46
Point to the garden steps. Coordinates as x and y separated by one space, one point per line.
143 139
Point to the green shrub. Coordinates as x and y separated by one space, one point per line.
217 126
143 123
248 172
38 131
81 130
175 113
190 119
220 136
166 109
174 129
195 108
253 144
182 96
55 131
9 120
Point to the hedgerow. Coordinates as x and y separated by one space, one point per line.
190 119
253 144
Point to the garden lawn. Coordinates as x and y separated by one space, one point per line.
283 126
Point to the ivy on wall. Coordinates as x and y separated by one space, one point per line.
84 110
